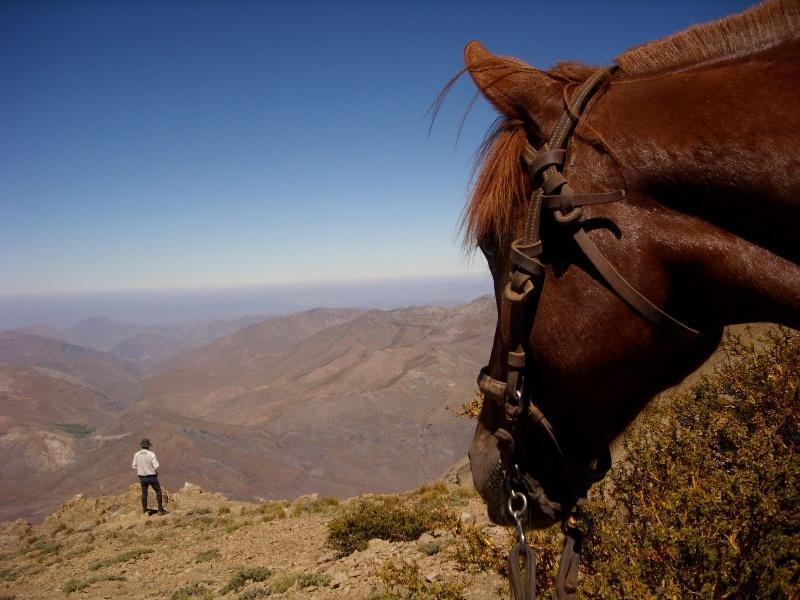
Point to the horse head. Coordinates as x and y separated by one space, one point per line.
705 149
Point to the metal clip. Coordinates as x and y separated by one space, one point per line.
518 514
522 578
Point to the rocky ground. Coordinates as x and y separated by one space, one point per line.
211 547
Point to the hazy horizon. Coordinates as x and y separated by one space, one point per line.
176 306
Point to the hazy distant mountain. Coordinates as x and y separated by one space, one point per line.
149 346
329 401
100 369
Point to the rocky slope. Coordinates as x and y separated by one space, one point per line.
211 547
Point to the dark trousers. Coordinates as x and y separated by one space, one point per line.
152 480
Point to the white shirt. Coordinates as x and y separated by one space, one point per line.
145 462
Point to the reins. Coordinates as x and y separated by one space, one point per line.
552 192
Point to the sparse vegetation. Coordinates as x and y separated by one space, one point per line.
403 580
200 589
317 505
242 577
475 552
255 592
387 518
206 555
282 582
305 580
273 510
74 429
73 585
234 526
472 407
124 557
432 548
77 552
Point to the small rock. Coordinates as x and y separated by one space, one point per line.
433 575
338 579
377 544
467 519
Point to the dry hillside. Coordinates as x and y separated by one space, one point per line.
211 547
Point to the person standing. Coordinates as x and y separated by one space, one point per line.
146 465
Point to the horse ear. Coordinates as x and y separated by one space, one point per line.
515 88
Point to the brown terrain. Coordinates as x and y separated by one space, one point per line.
211 547
331 401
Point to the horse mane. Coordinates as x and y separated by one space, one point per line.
756 29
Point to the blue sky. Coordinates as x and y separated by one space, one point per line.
200 145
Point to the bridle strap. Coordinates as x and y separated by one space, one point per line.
552 191
625 290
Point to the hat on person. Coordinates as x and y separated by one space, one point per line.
145 443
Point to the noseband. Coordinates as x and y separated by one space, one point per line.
552 192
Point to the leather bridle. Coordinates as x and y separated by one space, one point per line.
551 192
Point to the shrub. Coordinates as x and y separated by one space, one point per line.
475 552
74 585
233 526
281 583
196 590
305 580
706 502
207 555
124 557
253 593
242 576
403 580
388 519
273 510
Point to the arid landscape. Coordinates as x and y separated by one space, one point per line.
329 401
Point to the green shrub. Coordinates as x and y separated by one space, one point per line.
305 580
241 577
124 557
74 429
199 589
706 503
388 519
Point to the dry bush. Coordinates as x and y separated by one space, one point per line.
388 518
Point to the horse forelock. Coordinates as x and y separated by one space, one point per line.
498 185
759 28
499 180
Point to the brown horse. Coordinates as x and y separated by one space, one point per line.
702 131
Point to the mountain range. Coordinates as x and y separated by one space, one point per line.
333 401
